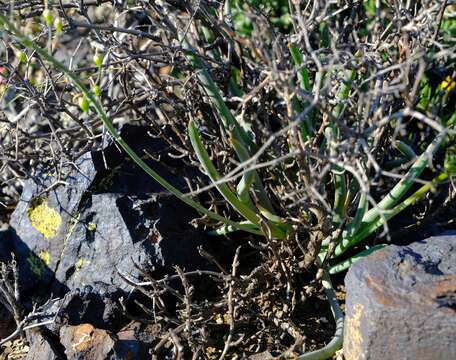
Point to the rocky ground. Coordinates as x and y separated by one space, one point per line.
88 241
97 245
330 102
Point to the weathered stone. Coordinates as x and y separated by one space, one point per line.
44 345
40 350
115 232
128 346
40 221
135 340
98 305
105 215
87 342
401 303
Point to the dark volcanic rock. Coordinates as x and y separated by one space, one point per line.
401 303
114 232
105 216
95 309
87 342
41 220
98 305
101 215
135 340
40 349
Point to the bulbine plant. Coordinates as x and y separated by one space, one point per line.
356 228
310 179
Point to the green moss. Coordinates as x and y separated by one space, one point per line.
44 218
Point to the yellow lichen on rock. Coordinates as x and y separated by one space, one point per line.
353 339
44 218
80 263
45 257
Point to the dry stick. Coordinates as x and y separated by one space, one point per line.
15 334
439 20
24 324
10 297
231 306
138 33
163 341
177 344
115 134
187 301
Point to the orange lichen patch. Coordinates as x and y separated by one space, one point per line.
379 292
86 336
44 218
353 338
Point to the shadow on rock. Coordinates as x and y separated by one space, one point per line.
74 231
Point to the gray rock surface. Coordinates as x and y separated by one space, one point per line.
401 303
39 254
98 305
40 348
73 232
115 232
87 342
103 215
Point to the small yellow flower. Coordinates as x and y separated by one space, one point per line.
448 84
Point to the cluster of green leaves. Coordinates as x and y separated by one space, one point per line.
448 28
363 223
438 94
276 10
248 197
